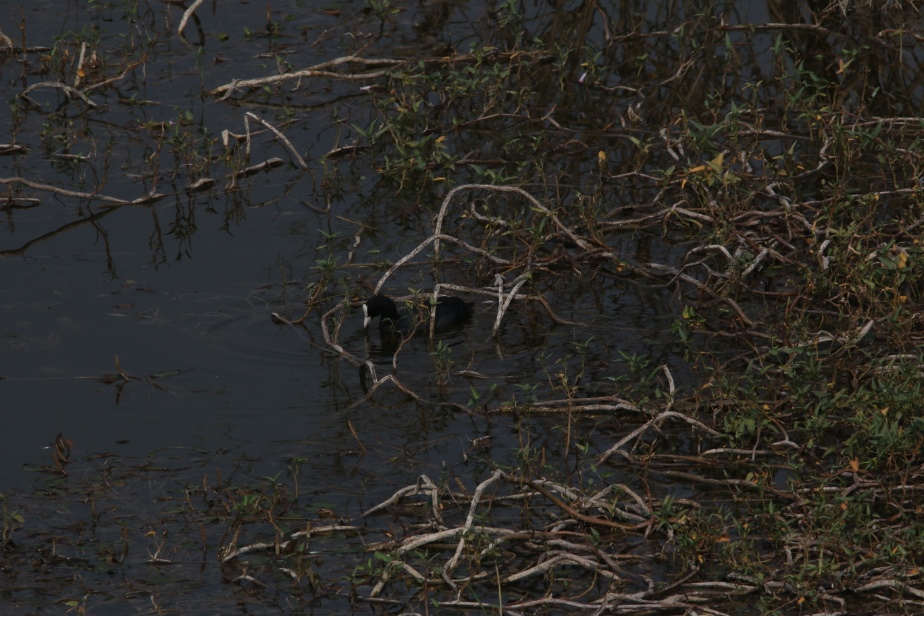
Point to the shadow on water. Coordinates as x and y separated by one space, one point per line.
690 231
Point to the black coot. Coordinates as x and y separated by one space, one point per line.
450 313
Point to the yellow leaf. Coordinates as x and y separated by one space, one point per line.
81 73
884 410
716 163
697 169
601 157
440 139
855 464
844 507
902 260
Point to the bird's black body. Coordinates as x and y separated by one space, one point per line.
451 312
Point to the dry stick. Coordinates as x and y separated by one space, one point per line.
436 238
545 303
71 91
378 382
689 279
337 347
643 428
318 70
474 249
636 222
404 341
579 548
586 609
470 519
257 546
709 247
326 529
692 214
562 490
540 408
389 572
247 138
557 559
751 453
596 498
146 199
8 42
83 53
593 520
814 28
756 262
671 389
249 171
623 404
693 605
404 260
422 482
891 583
356 436
407 490
119 77
722 587
189 13
414 542
580 608
321 70
509 189
683 475
280 136
432 314
502 303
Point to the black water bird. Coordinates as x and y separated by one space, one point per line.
451 312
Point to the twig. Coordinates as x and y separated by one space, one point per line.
470 519
186 15
583 517
318 70
69 90
656 420
279 135
83 53
143 200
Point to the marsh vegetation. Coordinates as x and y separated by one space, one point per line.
692 231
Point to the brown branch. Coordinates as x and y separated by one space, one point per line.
593 520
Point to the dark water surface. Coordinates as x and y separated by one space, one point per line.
194 311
